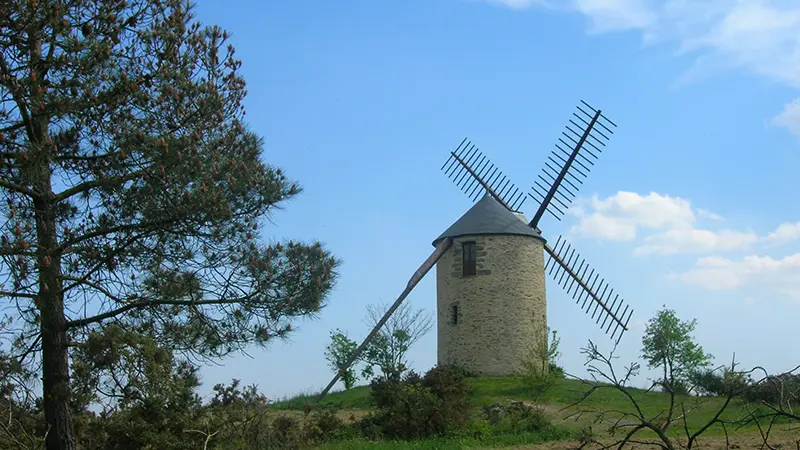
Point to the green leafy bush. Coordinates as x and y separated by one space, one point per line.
324 425
518 417
414 407
776 390
715 383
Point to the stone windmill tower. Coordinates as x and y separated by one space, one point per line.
491 299
489 312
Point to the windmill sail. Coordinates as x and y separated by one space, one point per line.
470 170
570 161
583 287
426 266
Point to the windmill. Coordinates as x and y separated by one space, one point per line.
496 217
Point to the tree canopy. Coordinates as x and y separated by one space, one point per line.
668 345
134 192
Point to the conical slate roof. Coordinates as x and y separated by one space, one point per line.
488 216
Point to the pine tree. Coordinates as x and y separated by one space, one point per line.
133 190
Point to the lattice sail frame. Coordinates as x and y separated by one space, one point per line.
471 170
467 166
558 190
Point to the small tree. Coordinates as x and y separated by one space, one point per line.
338 353
668 345
539 368
388 349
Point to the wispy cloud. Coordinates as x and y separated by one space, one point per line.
758 36
779 275
789 118
708 214
663 224
660 224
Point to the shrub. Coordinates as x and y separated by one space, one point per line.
775 390
435 404
323 425
539 370
556 371
286 433
712 382
517 418
707 382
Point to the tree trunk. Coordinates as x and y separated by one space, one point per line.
55 358
55 362
55 369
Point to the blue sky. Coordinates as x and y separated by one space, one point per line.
693 205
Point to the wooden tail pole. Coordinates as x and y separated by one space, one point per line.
415 279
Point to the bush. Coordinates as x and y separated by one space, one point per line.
714 383
323 425
414 407
515 418
286 433
236 418
707 383
775 390
557 371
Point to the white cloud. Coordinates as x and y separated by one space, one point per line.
756 36
708 214
789 118
786 232
617 217
616 15
720 274
671 223
690 240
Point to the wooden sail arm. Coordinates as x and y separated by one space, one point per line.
441 248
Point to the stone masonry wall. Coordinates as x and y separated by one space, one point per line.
502 310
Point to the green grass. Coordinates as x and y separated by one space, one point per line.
356 398
558 399
443 443
567 392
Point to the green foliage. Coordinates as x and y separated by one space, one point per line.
518 417
324 425
286 433
538 382
235 418
718 383
338 353
121 369
779 391
414 407
388 349
133 192
668 345
385 351
539 368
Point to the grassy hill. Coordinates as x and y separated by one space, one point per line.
555 402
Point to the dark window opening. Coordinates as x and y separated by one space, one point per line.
454 313
468 258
